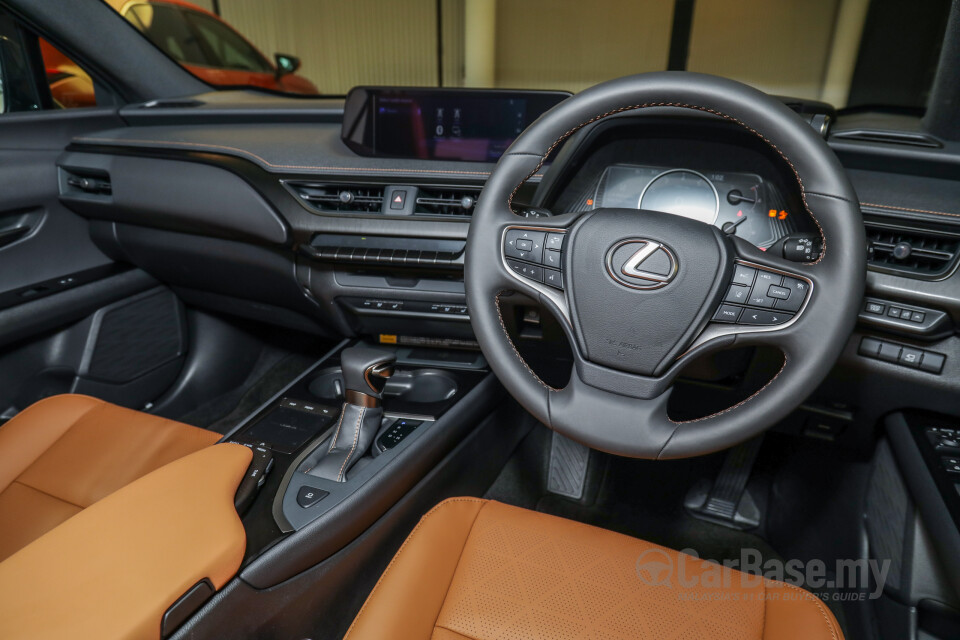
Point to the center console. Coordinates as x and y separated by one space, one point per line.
293 435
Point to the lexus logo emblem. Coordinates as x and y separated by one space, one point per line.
642 264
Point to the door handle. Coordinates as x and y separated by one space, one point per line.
12 234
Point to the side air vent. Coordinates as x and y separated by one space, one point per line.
339 198
913 252
88 182
441 201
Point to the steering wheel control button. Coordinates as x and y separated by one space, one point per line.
529 271
762 317
551 259
778 292
767 278
554 241
798 293
524 244
758 297
737 293
553 278
744 275
875 307
727 313
309 496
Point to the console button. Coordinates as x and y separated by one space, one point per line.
910 357
727 313
889 352
737 293
906 315
529 271
798 293
309 496
551 259
554 241
874 307
870 347
917 316
553 278
951 465
524 244
743 275
761 317
932 362
894 312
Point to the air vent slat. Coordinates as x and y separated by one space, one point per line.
442 201
339 198
913 252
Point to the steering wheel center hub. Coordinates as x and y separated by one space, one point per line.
642 284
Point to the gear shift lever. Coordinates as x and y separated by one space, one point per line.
365 372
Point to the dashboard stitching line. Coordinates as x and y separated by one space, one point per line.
126 141
720 114
496 304
890 206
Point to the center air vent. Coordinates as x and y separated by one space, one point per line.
339 198
443 201
914 252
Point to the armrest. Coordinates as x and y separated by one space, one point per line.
112 570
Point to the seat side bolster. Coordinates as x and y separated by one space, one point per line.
409 595
795 614
32 431
112 570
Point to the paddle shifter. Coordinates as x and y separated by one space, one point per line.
365 372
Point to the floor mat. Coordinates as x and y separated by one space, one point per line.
272 372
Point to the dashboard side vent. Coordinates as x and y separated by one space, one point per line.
338 198
913 252
443 201
90 182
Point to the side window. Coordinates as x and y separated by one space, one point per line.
231 50
165 26
70 86
35 76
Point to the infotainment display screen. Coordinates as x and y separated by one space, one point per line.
440 124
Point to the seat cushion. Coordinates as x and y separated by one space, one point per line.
482 570
64 453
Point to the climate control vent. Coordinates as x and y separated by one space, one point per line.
339 198
444 201
913 252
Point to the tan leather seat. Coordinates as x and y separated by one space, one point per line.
479 570
108 516
64 453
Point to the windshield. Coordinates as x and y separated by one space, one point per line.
849 53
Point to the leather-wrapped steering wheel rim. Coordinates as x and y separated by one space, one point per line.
621 408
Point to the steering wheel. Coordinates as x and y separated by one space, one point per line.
640 294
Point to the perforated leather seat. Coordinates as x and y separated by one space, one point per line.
63 454
479 570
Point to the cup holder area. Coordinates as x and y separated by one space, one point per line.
417 386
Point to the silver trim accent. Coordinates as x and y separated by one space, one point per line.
657 281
